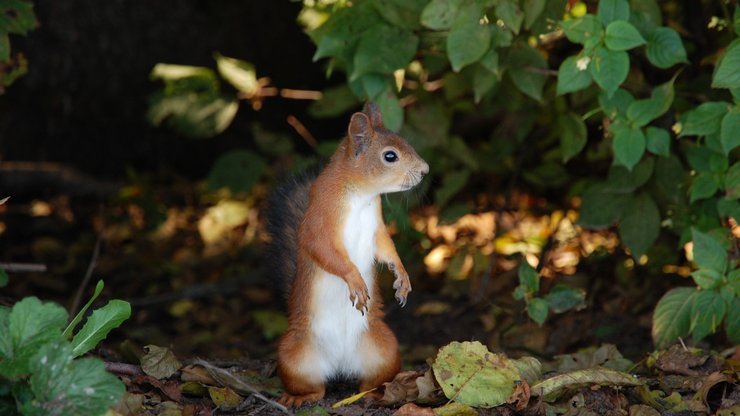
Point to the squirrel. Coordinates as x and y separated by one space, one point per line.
327 234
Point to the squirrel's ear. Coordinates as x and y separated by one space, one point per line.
360 131
372 111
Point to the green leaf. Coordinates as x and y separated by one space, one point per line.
732 324
63 386
99 324
730 129
640 224
645 15
452 183
601 207
528 278
729 208
703 186
625 181
3 278
665 49
622 36
670 178
609 69
510 13
390 107
401 13
72 325
240 74
704 119
616 104
532 10
736 21
469 374
468 40
611 10
672 316
384 49
628 146
17 17
707 278
440 14
583 29
732 181
658 141
707 312
338 36
708 252
537 310
563 298
573 135
30 325
726 74
528 68
642 112
483 80
572 78
237 170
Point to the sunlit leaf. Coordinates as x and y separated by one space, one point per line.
240 74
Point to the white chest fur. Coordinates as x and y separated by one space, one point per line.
337 327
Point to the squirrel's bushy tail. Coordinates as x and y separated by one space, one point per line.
286 207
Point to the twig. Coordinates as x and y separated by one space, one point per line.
228 379
124 368
300 94
23 267
86 279
302 131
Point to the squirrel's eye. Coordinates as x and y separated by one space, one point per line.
390 156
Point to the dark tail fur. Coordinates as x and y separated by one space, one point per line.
286 206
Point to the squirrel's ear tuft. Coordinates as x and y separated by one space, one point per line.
360 132
372 111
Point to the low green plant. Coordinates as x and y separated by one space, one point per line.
17 19
41 372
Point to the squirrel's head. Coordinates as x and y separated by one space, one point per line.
384 161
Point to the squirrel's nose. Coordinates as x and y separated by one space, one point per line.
424 169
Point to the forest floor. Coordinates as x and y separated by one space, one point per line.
194 273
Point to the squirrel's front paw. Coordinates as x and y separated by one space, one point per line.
358 294
403 287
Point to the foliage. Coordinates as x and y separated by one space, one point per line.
16 18
504 58
40 372
561 297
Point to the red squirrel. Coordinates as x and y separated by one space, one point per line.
335 312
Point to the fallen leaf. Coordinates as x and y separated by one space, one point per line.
402 389
520 397
159 362
351 399
643 410
729 411
530 368
224 397
167 409
131 404
554 387
470 374
606 356
429 391
410 409
455 409
710 382
678 360
193 388
196 373
432 308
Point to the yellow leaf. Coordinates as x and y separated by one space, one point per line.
351 399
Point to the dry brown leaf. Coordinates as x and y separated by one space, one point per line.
196 373
410 409
520 397
643 410
131 404
429 391
709 382
402 388
159 362
678 360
